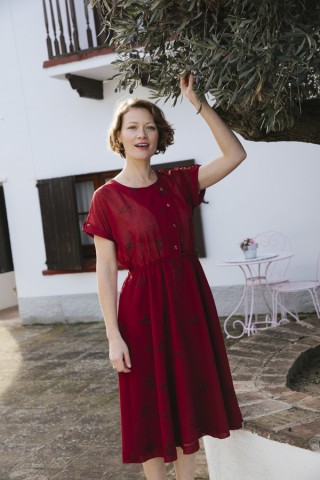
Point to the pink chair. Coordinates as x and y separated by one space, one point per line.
280 291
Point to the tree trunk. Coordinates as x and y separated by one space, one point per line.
305 129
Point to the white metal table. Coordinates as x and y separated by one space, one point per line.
255 273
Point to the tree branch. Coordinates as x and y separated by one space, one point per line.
305 129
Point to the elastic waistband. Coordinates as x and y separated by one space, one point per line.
164 259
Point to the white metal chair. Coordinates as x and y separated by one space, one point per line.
273 274
279 292
274 242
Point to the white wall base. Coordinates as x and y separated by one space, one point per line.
85 308
227 297
246 456
8 296
60 309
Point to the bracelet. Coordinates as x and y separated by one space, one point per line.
200 108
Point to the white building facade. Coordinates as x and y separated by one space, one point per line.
47 131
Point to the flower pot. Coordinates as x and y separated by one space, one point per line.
251 252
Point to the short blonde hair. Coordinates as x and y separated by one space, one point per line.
165 130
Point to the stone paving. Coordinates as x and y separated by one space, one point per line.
59 401
262 366
59 405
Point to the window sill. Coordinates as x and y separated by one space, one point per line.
89 265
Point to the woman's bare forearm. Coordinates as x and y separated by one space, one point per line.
107 276
232 151
107 291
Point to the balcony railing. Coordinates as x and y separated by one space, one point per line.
72 27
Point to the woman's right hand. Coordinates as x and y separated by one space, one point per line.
119 354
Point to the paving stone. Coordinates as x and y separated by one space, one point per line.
244 386
310 341
271 377
237 361
244 354
274 371
262 408
297 348
310 320
312 403
298 328
233 359
278 361
241 369
262 339
278 333
291 397
288 418
314 443
275 390
242 377
266 350
305 435
247 398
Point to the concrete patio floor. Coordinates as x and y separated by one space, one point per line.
59 405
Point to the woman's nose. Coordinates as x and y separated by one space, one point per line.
141 133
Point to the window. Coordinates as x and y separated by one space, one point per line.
65 203
85 186
6 264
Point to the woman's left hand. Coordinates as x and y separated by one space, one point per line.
186 85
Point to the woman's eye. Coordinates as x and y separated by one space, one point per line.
151 127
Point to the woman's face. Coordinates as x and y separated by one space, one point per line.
139 134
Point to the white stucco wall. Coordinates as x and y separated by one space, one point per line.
8 296
47 130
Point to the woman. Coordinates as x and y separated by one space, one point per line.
165 340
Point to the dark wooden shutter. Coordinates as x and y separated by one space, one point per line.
6 264
60 223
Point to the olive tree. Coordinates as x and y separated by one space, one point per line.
259 60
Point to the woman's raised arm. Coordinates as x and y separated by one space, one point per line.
232 151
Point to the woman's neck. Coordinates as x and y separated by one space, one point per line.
137 175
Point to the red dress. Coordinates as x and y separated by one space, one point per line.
180 386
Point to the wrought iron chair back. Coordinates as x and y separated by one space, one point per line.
275 242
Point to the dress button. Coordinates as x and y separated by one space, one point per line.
174 225
168 204
175 247
161 189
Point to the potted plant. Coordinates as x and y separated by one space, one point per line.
249 248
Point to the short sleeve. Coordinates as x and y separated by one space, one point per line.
97 222
186 179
